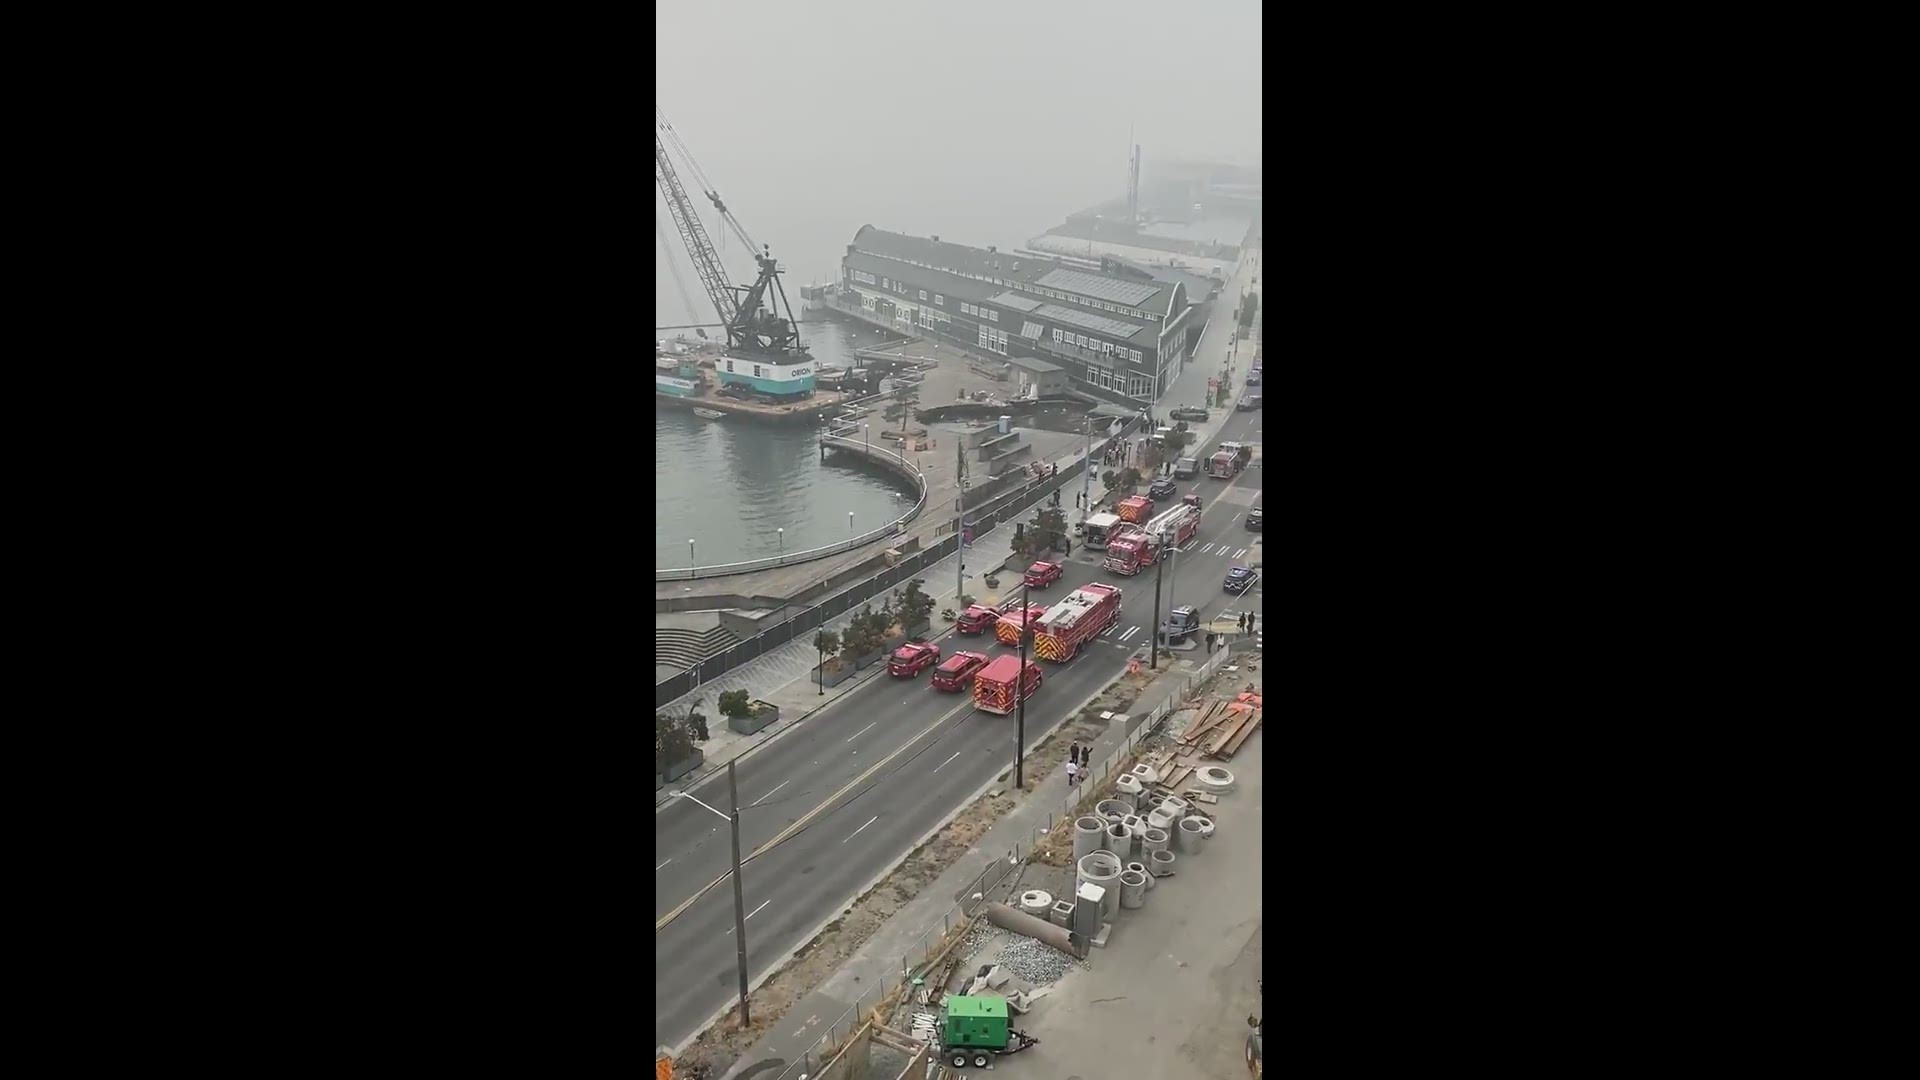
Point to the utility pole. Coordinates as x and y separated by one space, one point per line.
1159 572
1020 687
1166 551
1086 478
739 899
960 522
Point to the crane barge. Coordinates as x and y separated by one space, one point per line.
764 358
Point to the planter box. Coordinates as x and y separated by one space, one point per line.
919 631
763 714
832 678
685 765
893 641
863 661
659 781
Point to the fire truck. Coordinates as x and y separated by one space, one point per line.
1073 622
994 690
1229 459
1099 528
1134 508
1015 622
1181 523
1132 550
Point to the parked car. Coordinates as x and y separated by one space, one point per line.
1253 377
912 658
1042 574
957 672
1188 412
977 619
1239 580
1182 623
1162 488
1186 468
1253 520
1250 403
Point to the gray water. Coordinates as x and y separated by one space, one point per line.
730 483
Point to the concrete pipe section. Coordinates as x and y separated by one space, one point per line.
1036 902
1146 775
1161 863
1001 915
1156 840
1097 867
1191 838
1176 807
1141 868
1161 820
1119 841
1214 779
1087 833
1112 810
1127 789
1206 825
1062 913
1133 889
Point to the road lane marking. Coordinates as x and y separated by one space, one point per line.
663 864
861 732
944 764
863 828
801 822
752 913
768 795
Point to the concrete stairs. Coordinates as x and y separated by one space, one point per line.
684 648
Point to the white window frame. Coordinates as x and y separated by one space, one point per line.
939 300
923 294
1135 355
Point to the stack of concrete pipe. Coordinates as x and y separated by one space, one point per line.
1087 834
1191 838
1140 868
1161 820
1155 840
1128 790
1102 869
1160 863
1133 888
1118 841
1112 810
1214 778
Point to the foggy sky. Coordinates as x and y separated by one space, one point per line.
984 121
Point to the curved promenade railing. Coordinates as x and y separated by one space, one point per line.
688 573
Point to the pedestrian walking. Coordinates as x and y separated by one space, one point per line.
1242 620
1071 770
1209 641
1250 618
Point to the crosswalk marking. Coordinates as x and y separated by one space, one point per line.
1129 632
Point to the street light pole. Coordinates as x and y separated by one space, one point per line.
692 565
782 533
739 899
1020 687
849 523
1086 477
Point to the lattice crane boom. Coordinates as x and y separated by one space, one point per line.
706 261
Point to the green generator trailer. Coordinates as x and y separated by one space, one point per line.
977 1029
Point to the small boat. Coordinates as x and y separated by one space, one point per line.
708 414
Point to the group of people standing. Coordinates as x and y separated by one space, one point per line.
1078 756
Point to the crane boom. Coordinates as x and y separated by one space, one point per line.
706 262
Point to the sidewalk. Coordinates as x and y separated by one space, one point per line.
879 963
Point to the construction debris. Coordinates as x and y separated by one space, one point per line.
1035 963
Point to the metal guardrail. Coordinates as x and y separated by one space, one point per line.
690 573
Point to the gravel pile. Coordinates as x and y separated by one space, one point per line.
1038 964
981 934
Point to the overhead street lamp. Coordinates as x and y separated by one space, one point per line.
739 901
691 563
782 533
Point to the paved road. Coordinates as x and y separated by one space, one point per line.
884 765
